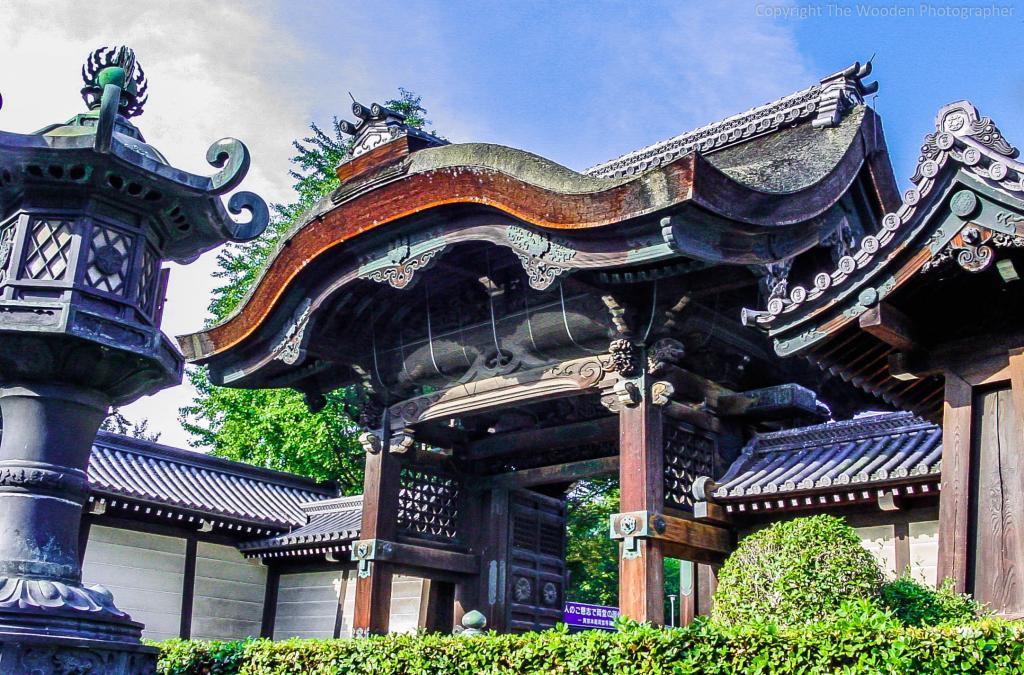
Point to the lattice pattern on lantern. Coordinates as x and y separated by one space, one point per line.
428 504
687 456
109 258
147 281
48 250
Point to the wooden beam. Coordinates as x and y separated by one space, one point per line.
690 386
707 584
889 325
710 512
686 533
577 433
642 488
954 495
558 473
415 555
339 614
901 532
372 613
769 402
691 414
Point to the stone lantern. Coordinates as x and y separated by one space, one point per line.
88 213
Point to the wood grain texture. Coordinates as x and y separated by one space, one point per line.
954 500
998 496
380 517
642 488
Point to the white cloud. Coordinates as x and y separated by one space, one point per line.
215 70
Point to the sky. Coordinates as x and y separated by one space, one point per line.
578 82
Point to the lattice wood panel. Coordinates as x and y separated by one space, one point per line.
688 455
428 504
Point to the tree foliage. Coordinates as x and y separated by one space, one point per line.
592 557
273 427
795 572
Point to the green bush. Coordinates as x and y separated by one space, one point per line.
795 572
857 639
916 604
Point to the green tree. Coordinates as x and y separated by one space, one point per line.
273 427
592 558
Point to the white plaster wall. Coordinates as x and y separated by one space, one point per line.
307 604
880 541
229 592
924 551
143 571
405 604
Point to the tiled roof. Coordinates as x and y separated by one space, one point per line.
333 523
823 102
191 482
856 455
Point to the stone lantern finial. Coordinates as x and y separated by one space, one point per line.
115 65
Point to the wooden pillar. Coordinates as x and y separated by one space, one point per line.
437 606
642 488
270 603
380 514
707 583
954 495
188 588
493 581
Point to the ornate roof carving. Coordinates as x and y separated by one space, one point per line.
824 103
962 139
378 125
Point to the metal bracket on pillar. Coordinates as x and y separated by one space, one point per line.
630 528
364 553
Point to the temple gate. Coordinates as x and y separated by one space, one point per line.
515 326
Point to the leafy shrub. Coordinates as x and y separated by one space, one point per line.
916 604
795 572
858 638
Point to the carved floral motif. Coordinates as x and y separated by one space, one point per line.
20 593
542 256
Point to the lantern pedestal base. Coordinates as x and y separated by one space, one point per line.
66 642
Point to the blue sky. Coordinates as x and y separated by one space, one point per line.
577 82
583 82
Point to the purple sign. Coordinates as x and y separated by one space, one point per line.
579 615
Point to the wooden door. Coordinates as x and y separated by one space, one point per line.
536 561
997 498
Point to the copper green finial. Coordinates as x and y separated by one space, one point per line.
115 65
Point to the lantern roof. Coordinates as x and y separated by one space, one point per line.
102 151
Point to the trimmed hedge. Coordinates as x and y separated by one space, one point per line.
858 639
795 572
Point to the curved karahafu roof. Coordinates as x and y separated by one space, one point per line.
869 316
749 190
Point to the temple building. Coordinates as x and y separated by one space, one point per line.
744 323
515 326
